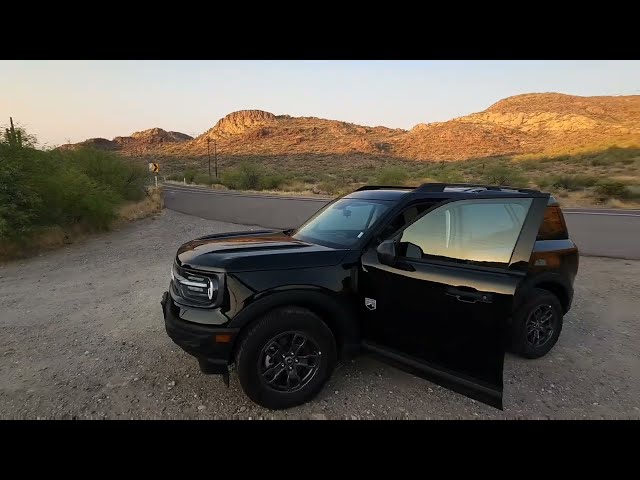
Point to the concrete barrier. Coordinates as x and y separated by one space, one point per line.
269 211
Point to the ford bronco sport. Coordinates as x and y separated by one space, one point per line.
439 280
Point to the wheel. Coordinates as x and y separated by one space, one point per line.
285 358
537 325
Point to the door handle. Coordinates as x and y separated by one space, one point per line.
469 295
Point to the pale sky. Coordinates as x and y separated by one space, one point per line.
75 100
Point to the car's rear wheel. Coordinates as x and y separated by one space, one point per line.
537 324
285 358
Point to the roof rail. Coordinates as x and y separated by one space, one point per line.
383 187
440 187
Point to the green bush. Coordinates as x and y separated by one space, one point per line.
571 182
125 178
503 175
391 176
447 175
634 192
19 202
251 176
606 190
202 179
60 188
189 175
271 182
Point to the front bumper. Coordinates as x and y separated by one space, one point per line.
199 340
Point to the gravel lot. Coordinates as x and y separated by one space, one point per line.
82 335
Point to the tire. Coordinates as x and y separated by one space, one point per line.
525 320
259 359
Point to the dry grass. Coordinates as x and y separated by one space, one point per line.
585 198
152 204
51 238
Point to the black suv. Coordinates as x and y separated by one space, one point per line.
439 280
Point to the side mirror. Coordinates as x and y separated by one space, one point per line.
387 252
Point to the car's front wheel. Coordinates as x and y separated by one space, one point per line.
285 358
537 325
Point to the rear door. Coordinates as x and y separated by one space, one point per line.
442 309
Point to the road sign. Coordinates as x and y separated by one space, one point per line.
154 167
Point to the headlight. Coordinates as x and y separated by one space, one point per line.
196 288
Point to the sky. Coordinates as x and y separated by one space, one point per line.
62 101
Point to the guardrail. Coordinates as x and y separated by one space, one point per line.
270 211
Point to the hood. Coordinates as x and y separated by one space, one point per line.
255 250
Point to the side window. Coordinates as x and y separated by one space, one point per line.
404 218
480 232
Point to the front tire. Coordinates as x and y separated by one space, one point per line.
537 325
285 358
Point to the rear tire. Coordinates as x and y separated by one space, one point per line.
537 325
285 358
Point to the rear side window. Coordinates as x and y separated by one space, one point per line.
553 226
480 232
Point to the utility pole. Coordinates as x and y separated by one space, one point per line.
209 156
215 156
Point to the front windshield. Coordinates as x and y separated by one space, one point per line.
341 223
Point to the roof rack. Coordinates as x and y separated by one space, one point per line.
440 187
383 187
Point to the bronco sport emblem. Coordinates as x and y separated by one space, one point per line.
370 303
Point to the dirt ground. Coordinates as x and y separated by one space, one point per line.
82 335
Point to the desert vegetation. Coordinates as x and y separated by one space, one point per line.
50 197
608 177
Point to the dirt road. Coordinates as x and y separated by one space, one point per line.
81 335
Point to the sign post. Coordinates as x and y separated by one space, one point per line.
154 168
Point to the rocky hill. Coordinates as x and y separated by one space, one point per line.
529 123
146 140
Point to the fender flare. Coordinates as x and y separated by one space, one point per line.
339 315
552 281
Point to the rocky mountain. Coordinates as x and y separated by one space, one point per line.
145 140
529 123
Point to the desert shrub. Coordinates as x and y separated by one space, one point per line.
634 192
202 179
43 189
189 175
606 190
391 176
307 178
271 181
19 201
122 177
571 182
330 187
251 176
503 175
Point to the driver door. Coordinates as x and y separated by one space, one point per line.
441 309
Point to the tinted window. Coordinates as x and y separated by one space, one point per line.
552 227
342 223
481 232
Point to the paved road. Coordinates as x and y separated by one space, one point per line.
597 232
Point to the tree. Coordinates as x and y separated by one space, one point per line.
16 136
